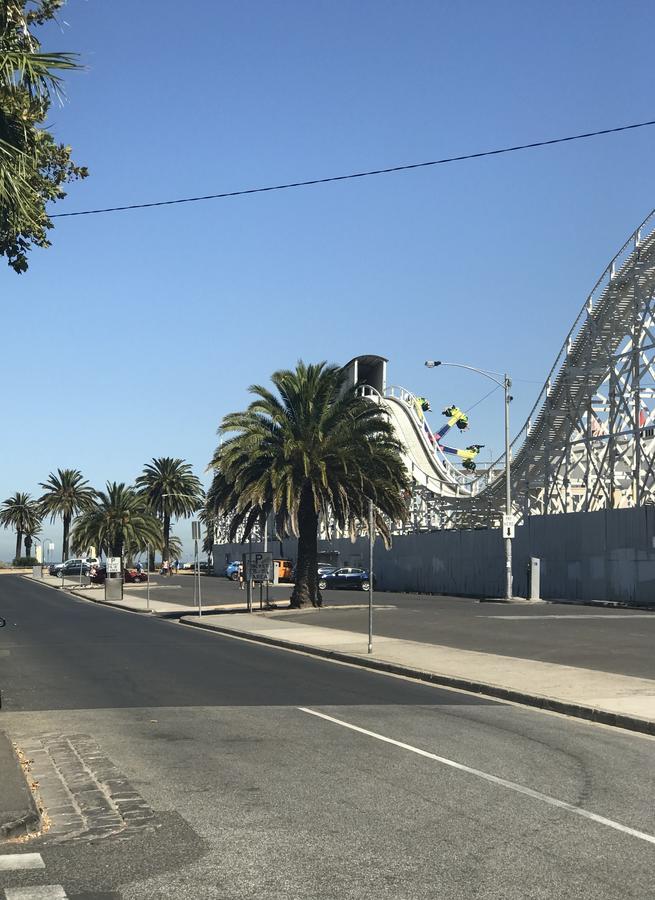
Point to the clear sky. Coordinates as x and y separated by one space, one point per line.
136 332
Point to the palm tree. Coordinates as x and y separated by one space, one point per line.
20 513
208 518
119 522
66 494
315 449
27 73
171 489
33 528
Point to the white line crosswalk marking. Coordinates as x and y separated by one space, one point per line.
13 861
44 892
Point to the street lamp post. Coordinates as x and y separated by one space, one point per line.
506 384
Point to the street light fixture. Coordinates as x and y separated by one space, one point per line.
506 384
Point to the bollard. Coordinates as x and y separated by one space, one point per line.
534 573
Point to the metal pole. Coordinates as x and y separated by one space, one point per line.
148 577
508 494
371 541
199 588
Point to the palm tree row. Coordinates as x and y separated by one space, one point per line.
120 521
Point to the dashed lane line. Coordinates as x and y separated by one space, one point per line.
12 861
493 779
44 892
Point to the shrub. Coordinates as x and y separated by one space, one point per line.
22 562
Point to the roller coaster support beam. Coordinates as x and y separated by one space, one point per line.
505 384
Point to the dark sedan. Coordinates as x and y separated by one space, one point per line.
348 579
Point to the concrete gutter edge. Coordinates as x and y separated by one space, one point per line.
18 822
550 704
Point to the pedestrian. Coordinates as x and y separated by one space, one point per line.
177 566
165 568
139 567
242 581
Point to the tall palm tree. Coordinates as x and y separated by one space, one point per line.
20 513
316 448
171 489
119 522
33 528
66 494
208 518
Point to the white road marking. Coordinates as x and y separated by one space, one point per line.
10 861
574 616
45 892
494 779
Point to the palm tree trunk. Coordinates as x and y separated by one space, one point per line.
67 525
28 545
167 533
19 541
306 589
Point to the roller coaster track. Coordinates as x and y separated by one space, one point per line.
589 440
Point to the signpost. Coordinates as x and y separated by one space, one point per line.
113 585
257 567
197 596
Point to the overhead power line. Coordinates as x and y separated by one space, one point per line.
353 175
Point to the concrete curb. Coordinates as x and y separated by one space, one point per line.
550 704
19 814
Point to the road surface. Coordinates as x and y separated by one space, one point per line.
271 774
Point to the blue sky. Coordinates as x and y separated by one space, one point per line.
136 332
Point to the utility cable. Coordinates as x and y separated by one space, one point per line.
482 399
333 178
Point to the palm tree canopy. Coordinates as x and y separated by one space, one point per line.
21 514
33 165
170 487
316 440
65 494
119 522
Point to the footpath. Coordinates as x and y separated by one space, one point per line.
609 698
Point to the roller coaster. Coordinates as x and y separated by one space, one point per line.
589 440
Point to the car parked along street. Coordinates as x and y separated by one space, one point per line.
346 578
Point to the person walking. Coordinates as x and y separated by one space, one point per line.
242 581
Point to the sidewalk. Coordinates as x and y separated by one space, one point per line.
612 699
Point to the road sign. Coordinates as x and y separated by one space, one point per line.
258 566
508 526
113 565
195 531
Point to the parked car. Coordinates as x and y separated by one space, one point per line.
285 569
74 567
130 576
232 570
55 568
348 578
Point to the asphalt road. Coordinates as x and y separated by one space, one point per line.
437 794
591 637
